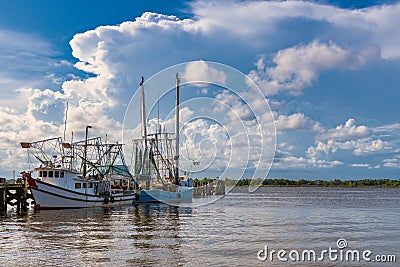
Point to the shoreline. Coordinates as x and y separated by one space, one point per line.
362 183
300 186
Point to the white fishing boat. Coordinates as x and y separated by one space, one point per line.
79 175
90 173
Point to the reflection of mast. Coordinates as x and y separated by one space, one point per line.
144 130
177 131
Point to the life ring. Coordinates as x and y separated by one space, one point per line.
106 201
112 199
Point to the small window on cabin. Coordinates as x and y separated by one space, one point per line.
84 185
44 174
61 174
40 173
90 185
51 174
56 174
77 185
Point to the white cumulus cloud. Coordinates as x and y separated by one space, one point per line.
201 71
296 121
298 67
346 131
358 139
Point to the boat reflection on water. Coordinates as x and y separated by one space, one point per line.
145 234
156 240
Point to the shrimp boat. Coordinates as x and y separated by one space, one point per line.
93 173
83 174
156 163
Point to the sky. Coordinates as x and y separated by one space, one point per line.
326 73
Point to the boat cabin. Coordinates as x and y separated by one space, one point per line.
69 180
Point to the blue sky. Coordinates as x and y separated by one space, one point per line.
329 70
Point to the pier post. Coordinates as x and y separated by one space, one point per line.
24 202
3 192
16 194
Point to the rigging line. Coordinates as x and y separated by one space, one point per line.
30 165
65 122
187 150
190 160
133 150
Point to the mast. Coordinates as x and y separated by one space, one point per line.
158 131
177 132
143 110
85 152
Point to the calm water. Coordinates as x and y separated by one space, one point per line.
228 232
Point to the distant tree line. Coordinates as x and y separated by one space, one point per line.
312 183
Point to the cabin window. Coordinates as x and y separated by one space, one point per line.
51 174
40 173
56 174
61 174
84 185
77 185
44 174
90 185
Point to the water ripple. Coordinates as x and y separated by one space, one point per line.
228 232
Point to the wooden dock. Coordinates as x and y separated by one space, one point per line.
208 188
15 195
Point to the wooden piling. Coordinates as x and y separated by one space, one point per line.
3 202
15 195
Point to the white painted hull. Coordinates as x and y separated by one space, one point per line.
51 197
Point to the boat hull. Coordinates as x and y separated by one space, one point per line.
48 196
183 194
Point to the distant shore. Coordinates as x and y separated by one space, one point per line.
362 183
